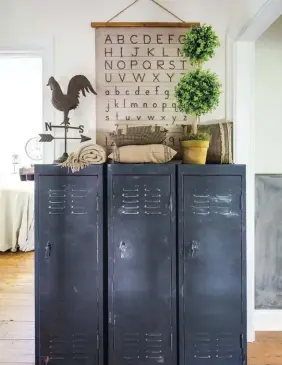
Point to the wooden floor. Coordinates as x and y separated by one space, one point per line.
17 317
16 309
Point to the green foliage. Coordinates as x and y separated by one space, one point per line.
198 92
197 137
200 44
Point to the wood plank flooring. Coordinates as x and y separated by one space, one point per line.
16 309
17 317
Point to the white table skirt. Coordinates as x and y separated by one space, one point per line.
16 215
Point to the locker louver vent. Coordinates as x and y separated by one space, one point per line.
57 201
222 205
202 345
206 346
78 199
130 200
140 199
201 204
152 202
79 346
224 345
57 347
131 345
153 346
56 357
205 204
148 347
222 199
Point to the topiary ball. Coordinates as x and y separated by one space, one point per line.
198 92
199 44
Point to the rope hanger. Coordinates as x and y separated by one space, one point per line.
153 1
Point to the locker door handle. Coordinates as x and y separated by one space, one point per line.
48 250
122 248
194 248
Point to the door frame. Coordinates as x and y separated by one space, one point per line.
242 56
42 48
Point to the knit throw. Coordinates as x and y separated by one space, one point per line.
91 154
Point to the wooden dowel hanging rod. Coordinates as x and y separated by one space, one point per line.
148 25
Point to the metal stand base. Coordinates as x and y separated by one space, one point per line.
63 158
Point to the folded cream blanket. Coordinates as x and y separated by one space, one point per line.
91 154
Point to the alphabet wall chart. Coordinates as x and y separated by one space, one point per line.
137 70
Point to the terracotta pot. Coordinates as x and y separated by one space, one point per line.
195 152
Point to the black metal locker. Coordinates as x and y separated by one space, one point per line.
142 270
68 265
212 272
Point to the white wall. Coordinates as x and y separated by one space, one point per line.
244 151
268 103
61 30
242 13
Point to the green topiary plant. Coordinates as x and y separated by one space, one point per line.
198 91
200 44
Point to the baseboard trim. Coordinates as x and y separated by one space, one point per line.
268 320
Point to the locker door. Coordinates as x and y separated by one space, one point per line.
211 306
142 269
67 270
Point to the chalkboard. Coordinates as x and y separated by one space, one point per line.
268 242
137 70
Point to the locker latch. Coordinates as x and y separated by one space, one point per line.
194 248
46 359
123 248
48 249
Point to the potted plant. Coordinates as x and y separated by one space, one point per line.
198 91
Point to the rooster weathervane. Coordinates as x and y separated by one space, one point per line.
65 103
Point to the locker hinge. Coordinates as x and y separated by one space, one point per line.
110 317
241 202
171 342
170 203
98 342
97 203
242 345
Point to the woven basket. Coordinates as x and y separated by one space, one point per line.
221 144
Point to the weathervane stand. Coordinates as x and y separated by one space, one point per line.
46 137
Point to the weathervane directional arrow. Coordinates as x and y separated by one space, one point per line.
84 138
49 138
46 138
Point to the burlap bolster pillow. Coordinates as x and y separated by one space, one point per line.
153 153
